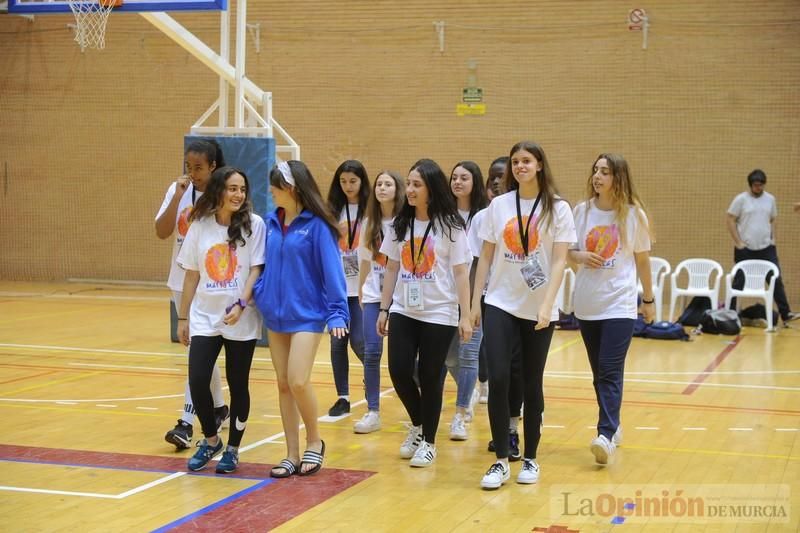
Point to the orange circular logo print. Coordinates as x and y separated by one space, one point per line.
603 240
221 262
381 260
512 238
344 238
425 260
183 221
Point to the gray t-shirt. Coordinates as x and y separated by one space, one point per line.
754 217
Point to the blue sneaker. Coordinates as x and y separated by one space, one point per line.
229 461
203 455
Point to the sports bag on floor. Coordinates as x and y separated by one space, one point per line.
721 321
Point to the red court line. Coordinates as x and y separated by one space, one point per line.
712 366
261 510
23 378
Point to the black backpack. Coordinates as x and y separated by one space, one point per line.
721 321
693 313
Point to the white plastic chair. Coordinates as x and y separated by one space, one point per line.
566 291
659 270
700 283
755 285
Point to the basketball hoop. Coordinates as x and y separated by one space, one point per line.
90 21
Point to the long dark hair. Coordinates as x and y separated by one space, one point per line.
337 199
306 191
212 199
375 214
209 148
442 208
477 198
544 178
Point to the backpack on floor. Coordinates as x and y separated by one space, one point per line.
693 313
666 331
639 327
756 312
721 321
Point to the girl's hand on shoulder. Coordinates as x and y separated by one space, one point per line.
339 333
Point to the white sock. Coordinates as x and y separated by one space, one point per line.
216 387
188 407
346 397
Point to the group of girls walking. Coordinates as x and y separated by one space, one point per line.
455 285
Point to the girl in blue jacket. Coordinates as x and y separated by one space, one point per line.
301 292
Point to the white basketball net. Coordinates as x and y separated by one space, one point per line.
90 22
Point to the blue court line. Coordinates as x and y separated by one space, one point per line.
156 471
213 506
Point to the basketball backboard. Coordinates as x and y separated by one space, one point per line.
134 6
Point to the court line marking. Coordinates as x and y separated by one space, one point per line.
120 496
97 365
84 296
669 382
740 429
694 429
712 366
647 428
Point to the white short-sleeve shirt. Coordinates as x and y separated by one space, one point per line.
434 270
187 201
611 290
373 284
223 273
507 289
754 217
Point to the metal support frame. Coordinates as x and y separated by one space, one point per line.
263 123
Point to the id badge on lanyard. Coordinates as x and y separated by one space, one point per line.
412 290
350 265
532 272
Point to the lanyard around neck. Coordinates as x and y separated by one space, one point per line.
524 232
351 232
416 257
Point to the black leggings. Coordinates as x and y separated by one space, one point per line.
407 338
203 353
515 386
502 332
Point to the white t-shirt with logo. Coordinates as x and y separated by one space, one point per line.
371 291
434 271
507 288
223 274
349 253
611 290
176 274
476 243
753 219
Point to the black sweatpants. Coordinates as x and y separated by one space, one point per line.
203 353
504 331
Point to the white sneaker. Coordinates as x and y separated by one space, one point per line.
412 442
529 473
616 438
371 421
424 456
483 392
458 428
603 449
497 474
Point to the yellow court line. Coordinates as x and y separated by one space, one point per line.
562 346
54 382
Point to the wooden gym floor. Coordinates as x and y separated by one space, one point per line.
89 384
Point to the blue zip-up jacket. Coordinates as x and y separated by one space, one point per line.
302 287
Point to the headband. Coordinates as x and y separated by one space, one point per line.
284 169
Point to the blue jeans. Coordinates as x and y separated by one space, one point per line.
339 358
373 350
462 363
607 343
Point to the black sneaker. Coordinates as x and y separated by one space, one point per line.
340 408
221 414
513 446
490 447
180 435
